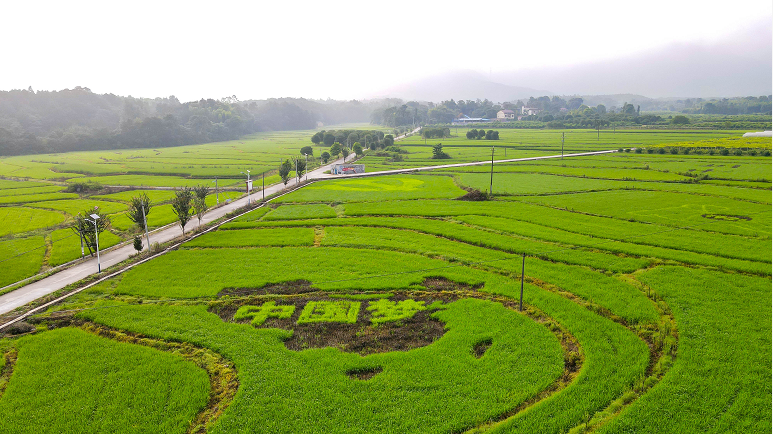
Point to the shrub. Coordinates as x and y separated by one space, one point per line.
674 151
661 151
766 153
650 150
686 151
738 152
724 152
638 150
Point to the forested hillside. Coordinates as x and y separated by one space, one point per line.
78 119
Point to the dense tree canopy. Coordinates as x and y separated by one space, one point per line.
78 119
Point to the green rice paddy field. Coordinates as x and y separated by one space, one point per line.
387 305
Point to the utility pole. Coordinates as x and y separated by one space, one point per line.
562 145
491 184
249 185
264 186
523 267
217 196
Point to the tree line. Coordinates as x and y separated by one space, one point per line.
79 120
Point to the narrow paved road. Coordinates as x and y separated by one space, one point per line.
52 283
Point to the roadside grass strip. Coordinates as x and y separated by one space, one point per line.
259 314
330 311
377 189
438 388
19 220
20 258
255 238
68 380
720 380
384 310
297 212
634 232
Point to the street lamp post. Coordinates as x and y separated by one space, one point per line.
96 236
248 185
217 196
307 166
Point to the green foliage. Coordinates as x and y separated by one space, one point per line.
377 189
724 345
284 171
437 152
17 220
139 209
182 205
385 310
255 237
67 380
293 212
330 311
20 258
138 243
200 193
525 358
66 245
259 314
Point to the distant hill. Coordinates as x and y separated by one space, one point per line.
466 85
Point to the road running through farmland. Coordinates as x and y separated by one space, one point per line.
67 276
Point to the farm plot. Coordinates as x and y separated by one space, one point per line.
68 380
375 189
365 309
18 220
671 209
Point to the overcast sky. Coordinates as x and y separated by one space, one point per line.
340 49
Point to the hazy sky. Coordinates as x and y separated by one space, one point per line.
337 49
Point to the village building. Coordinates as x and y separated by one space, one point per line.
528 111
505 115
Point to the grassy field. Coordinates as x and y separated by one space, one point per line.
387 305
99 386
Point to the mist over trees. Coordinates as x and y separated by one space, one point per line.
78 119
